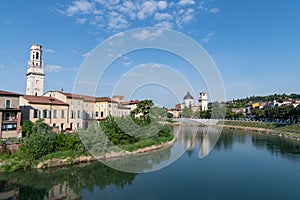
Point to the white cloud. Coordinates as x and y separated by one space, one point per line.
162 16
188 16
53 68
162 5
117 21
127 63
205 8
155 66
116 15
186 2
74 51
214 10
147 35
81 20
148 9
164 24
49 51
86 54
207 37
82 6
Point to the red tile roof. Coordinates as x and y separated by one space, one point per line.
44 100
105 99
130 102
6 93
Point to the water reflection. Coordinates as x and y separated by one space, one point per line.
191 137
69 182
61 183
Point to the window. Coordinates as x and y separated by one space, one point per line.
101 114
44 113
97 114
78 125
109 105
37 55
6 116
72 114
35 113
62 126
79 114
71 126
62 113
78 102
9 127
7 103
54 113
49 114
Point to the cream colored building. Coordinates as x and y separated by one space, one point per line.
53 111
131 104
76 105
175 112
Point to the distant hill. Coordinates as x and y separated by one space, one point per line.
240 103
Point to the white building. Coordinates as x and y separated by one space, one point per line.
35 72
188 101
203 101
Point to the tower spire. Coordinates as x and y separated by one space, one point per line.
35 72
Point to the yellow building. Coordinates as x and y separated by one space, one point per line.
53 111
255 105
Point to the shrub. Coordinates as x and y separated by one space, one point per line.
37 145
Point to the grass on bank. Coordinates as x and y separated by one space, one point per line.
146 142
288 128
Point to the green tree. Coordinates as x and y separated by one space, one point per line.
37 145
26 128
143 108
41 127
187 112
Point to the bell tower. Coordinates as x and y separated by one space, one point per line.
202 101
35 72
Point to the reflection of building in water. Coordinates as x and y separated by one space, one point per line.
8 191
61 191
191 136
186 136
210 136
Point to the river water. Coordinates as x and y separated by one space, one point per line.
242 165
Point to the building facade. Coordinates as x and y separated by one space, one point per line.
53 111
188 101
10 115
35 72
203 101
76 104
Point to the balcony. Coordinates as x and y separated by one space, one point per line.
9 119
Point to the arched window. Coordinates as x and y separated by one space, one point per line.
37 55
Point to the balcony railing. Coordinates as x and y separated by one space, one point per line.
9 119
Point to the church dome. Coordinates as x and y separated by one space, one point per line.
188 96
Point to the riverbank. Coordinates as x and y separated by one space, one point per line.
59 159
285 131
290 131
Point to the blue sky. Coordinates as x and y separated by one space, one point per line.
255 44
